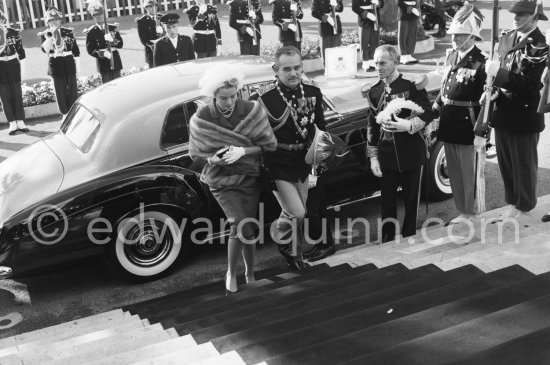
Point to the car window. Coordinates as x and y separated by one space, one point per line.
176 126
81 128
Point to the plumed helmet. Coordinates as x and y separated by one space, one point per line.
147 3
220 76
95 7
326 148
467 20
52 14
528 6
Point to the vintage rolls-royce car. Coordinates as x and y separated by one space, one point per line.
116 179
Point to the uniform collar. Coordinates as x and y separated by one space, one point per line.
388 80
285 89
462 55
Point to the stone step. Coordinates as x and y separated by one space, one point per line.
229 358
184 356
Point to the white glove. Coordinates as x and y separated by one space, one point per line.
47 45
371 16
375 167
203 8
159 30
250 31
77 65
108 37
311 181
330 20
233 154
23 68
375 2
492 67
333 3
479 142
292 27
252 14
293 7
415 12
107 55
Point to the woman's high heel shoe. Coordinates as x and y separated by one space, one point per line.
228 290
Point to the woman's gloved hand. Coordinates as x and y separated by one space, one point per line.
233 154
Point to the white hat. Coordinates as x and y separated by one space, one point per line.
467 20
220 76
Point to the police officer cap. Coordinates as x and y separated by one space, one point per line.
169 18
528 6
52 14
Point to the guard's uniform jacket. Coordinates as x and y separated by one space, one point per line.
458 100
397 151
165 53
61 62
281 13
293 133
322 7
405 7
206 27
239 17
359 6
10 68
519 78
147 32
96 45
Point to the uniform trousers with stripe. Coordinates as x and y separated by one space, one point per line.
407 36
66 92
468 186
369 40
410 182
518 163
11 95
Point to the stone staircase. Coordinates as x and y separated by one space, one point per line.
478 296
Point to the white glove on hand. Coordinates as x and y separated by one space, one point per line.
77 65
401 125
107 55
233 155
330 20
292 27
492 67
479 142
23 68
375 167
293 7
415 12
108 37
375 2
333 3
250 31
159 30
203 8
311 181
371 16
252 14
47 45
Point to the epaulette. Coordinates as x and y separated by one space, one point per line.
365 89
267 87
86 31
189 8
141 17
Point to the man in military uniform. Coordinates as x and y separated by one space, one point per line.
458 104
148 29
173 47
12 65
247 22
59 43
294 108
368 13
205 23
442 19
408 25
98 42
396 148
517 74
290 32
330 26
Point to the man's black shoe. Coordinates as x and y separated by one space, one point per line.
546 218
322 252
286 251
307 254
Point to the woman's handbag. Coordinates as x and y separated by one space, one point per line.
266 178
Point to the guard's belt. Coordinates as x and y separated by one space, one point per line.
467 104
205 32
291 147
61 54
8 58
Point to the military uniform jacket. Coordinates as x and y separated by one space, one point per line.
405 7
206 21
290 165
359 6
519 78
147 32
239 17
96 45
463 81
281 12
399 151
165 53
58 65
10 71
322 7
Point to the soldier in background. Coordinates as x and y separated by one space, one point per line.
96 44
12 66
442 20
149 30
59 43
368 13
408 25
330 28
205 23
173 47
241 19
290 34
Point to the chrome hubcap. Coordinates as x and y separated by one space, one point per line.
150 243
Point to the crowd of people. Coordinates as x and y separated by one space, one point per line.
274 135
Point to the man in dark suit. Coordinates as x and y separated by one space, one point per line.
290 33
517 75
396 150
97 40
247 21
173 47
368 13
149 30
12 58
330 26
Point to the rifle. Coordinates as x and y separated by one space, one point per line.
252 22
295 22
106 26
482 123
544 105
333 15
376 25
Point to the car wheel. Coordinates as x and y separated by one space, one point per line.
437 178
146 246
